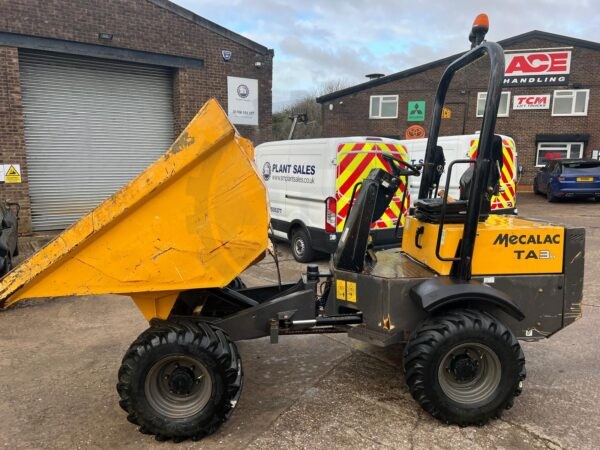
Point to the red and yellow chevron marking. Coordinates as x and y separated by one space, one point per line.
506 199
354 162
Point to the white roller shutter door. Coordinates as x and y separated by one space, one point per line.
91 125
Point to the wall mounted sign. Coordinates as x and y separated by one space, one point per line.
446 113
539 68
531 101
242 100
416 111
10 173
415 132
226 54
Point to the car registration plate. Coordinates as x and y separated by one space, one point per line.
585 179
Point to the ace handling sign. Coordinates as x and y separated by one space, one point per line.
537 68
242 101
416 111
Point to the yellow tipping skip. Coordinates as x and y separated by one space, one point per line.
195 218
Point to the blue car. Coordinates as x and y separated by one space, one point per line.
568 178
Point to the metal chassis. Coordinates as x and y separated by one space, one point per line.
389 305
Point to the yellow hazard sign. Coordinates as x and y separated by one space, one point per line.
12 173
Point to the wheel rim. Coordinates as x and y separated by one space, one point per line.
178 386
299 247
470 373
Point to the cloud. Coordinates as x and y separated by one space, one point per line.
317 41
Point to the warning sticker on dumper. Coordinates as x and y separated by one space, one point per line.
346 290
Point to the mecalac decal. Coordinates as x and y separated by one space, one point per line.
544 67
526 239
266 171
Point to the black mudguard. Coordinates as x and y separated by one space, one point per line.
442 292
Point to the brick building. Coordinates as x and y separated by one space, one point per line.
93 91
550 101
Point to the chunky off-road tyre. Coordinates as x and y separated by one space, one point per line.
180 380
301 247
464 367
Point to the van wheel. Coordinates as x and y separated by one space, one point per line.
301 248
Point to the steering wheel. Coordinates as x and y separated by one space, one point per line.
398 171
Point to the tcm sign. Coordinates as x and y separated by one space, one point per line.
531 101
537 68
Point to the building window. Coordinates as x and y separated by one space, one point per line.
502 109
554 150
571 102
384 107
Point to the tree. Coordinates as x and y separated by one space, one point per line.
282 121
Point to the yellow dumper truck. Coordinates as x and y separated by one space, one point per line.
463 289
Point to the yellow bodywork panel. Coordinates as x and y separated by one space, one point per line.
505 245
196 218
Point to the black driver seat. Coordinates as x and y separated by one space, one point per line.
429 209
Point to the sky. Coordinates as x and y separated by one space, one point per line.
318 43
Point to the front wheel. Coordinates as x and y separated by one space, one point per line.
180 380
464 367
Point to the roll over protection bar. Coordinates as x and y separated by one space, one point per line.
462 269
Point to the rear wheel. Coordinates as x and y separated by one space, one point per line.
464 367
180 380
550 196
301 247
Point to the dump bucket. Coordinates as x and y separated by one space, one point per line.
195 218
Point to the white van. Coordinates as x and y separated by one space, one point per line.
310 184
465 147
311 181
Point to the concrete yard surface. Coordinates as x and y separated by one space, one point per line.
59 360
